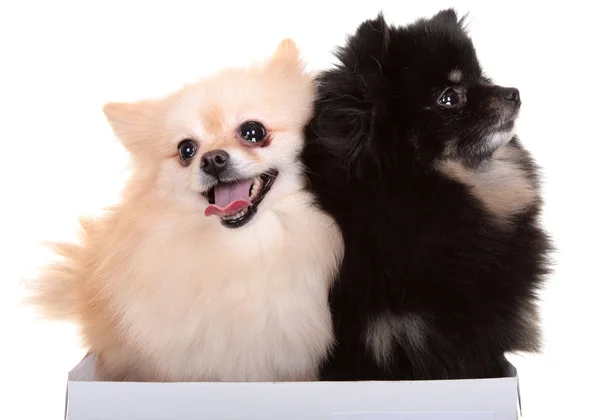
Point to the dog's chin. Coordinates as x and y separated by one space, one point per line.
496 140
478 149
239 212
495 136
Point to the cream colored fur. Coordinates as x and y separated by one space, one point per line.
387 330
162 292
502 185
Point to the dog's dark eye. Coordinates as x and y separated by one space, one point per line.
253 132
187 149
450 97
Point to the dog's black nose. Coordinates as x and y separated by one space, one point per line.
214 162
511 94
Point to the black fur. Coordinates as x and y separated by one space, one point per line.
418 243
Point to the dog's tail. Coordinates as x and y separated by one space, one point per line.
56 293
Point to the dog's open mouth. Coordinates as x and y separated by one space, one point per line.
236 202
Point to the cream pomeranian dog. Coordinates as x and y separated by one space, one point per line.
216 265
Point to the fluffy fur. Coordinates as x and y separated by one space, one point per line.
438 204
164 293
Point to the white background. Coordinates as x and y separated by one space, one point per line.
60 62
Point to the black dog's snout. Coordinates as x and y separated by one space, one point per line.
511 94
214 161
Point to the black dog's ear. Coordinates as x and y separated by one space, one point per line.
374 31
366 48
447 16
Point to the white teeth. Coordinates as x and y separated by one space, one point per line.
256 186
237 215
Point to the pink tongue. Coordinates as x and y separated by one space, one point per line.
230 199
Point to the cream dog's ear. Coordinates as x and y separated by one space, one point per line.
287 56
134 123
287 50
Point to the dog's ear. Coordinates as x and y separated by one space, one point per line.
132 122
447 16
365 51
287 56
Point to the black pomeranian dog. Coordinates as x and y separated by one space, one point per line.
412 150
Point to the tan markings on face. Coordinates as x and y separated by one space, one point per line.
455 76
213 119
225 142
220 134
501 186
